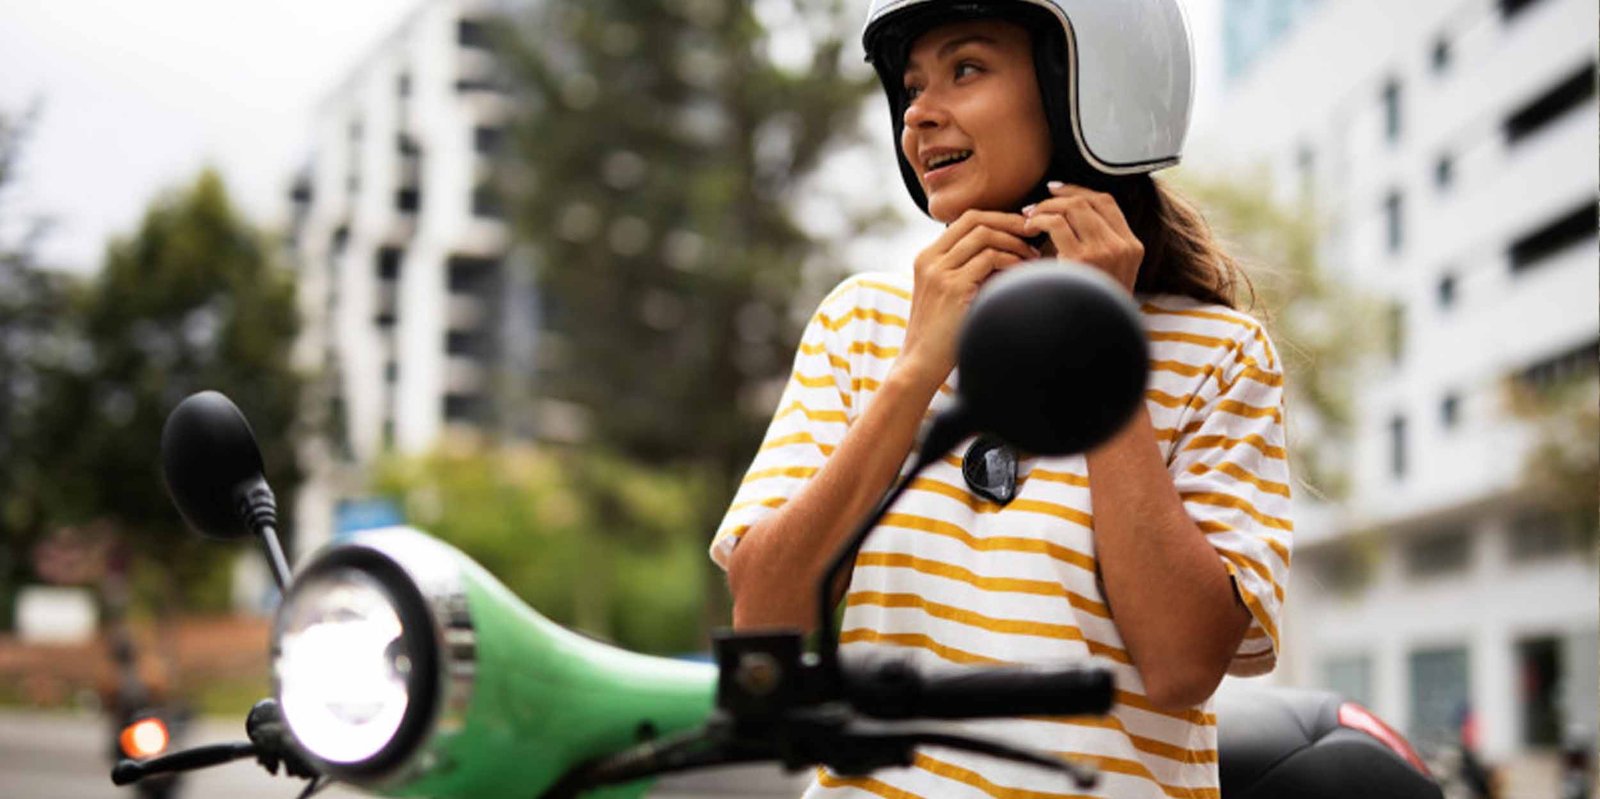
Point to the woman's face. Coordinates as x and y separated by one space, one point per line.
973 96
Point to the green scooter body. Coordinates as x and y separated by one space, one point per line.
542 699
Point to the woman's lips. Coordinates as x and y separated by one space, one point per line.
944 173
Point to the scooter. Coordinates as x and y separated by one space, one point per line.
403 668
141 726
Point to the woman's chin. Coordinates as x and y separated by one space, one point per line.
946 206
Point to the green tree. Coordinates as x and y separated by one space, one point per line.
191 301
652 182
1561 468
1323 326
34 343
656 172
591 541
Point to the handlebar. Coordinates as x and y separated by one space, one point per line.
896 689
130 771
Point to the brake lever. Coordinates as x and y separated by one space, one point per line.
692 749
873 750
126 772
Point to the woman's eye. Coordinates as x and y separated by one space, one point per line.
966 68
912 92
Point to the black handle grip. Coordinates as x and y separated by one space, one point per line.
894 689
128 771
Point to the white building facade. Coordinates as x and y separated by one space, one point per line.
1452 151
411 315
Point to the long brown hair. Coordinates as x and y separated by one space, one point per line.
1181 255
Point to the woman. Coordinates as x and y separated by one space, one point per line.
1164 551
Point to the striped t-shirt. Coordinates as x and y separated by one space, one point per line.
949 577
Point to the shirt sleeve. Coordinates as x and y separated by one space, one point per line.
1232 471
816 407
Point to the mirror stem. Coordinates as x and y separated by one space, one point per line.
259 508
947 430
275 559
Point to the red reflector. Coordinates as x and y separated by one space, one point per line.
1357 717
144 738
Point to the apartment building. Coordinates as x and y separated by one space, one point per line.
414 320
1450 150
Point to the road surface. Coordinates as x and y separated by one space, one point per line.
63 756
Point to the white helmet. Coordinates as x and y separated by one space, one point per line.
1120 78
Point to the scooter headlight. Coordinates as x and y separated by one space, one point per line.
374 654
343 665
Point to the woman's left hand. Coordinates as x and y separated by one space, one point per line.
1087 226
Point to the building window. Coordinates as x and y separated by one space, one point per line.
1397 447
407 145
1306 167
1509 9
1394 220
389 263
487 141
1444 172
1351 677
1442 54
384 319
1570 92
472 33
1554 237
1450 411
388 434
1441 691
1580 361
486 203
466 275
466 344
402 85
408 201
1339 567
1391 110
1537 534
492 85
1447 291
1540 668
1397 332
340 240
464 408
1438 553
391 372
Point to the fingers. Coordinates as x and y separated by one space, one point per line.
1088 226
984 239
967 222
1091 218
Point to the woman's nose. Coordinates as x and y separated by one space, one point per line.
924 112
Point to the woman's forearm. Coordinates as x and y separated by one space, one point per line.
1171 597
775 567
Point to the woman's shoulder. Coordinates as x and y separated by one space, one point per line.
875 297
1174 317
872 289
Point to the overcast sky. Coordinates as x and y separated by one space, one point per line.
137 96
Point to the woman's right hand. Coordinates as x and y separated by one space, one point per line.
948 273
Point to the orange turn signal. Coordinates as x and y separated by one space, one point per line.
144 738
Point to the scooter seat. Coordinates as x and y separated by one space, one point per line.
1282 742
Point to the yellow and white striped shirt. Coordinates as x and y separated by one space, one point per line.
951 577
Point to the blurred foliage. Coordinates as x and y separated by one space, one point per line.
593 541
34 344
190 301
653 183
1561 470
652 177
1323 327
